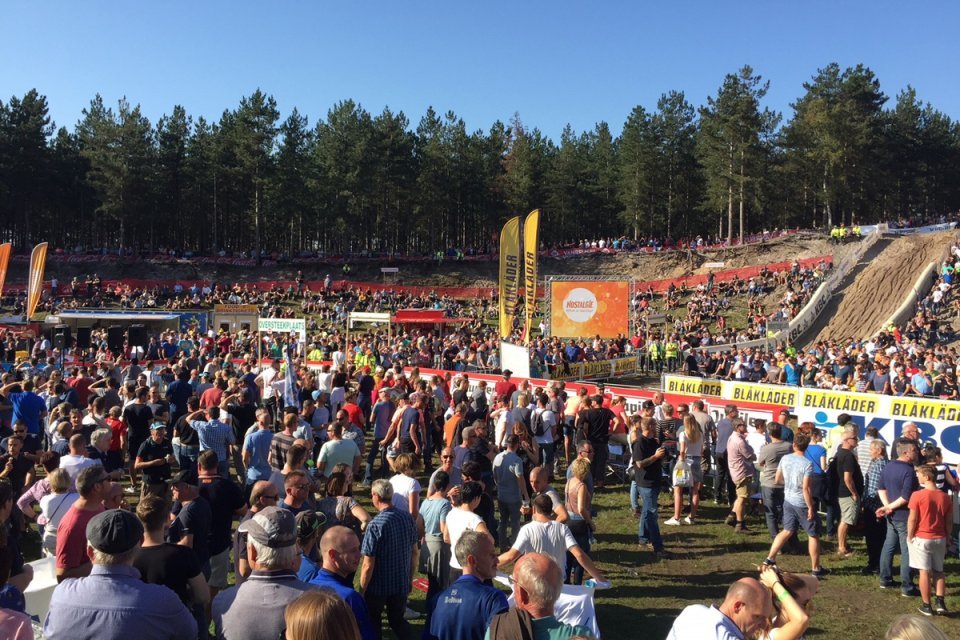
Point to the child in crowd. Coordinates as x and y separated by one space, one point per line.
931 516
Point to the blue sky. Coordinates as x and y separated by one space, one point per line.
552 62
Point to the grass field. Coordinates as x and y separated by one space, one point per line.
705 558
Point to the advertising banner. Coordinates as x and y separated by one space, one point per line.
937 420
35 278
531 232
509 274
599 369
5 250
580 308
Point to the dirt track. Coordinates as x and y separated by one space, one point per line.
875 290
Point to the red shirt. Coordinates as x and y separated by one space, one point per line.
211 397
82 386
117 429
932 507
505 388
354 413
72 537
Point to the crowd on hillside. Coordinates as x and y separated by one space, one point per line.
912 359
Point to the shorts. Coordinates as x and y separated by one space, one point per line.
795 518
569 430
743 487
696 469
926 554
219 568
849 511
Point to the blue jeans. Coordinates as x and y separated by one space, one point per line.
649 523
896 535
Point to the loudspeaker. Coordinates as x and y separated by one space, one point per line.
137 335
115 338
83 337
61 337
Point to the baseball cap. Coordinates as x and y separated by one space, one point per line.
309 522
186 476
158 425
272 527
114 531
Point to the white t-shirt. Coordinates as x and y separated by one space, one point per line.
549 420
458 521
403 486
549 538
73 465
695 449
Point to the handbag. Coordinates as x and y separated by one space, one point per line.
682 476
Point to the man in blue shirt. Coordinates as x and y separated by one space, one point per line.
340 549
390 540
898 481
464 610
112 602
256 450
28 407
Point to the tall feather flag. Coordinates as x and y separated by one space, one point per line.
5 250
531 231
291 391
509 274
35 278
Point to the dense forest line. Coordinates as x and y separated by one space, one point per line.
355 181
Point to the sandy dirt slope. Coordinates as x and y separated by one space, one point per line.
643 267
876 288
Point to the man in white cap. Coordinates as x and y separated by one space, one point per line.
113 602
254 610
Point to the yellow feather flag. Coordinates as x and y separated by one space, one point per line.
5 251
38 260
509 274
531 231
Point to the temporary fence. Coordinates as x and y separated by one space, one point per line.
937 419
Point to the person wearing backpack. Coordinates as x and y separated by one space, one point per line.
544 426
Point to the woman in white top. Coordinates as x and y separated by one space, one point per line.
406 487
463 518
690 442
54 506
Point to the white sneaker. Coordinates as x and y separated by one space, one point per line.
410 614
672 522
688 520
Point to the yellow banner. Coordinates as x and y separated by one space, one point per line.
35 278
531 231
767 394
5 250
923 409
509 274
839 401
623 366
693 386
